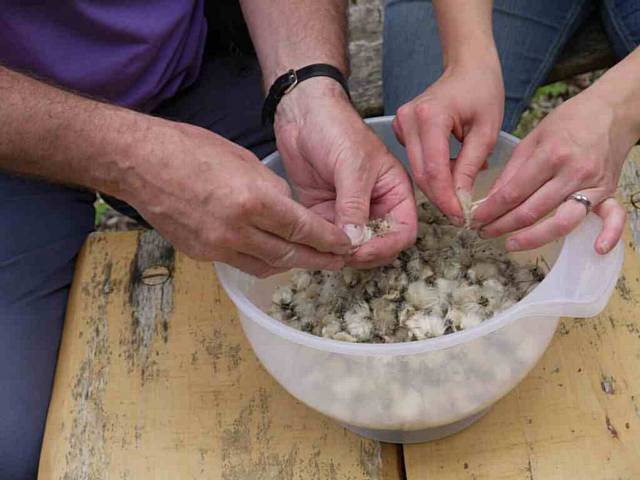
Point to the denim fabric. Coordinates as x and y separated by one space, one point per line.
42 227
529 36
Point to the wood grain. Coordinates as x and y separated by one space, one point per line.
577 415
155 380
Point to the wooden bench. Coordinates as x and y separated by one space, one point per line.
155 380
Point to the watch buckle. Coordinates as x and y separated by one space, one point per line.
293 78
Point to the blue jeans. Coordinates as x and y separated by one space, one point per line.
529 34
42 227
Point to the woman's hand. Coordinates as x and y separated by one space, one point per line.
468 101
579 148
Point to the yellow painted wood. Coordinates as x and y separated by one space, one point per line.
174 391
577 415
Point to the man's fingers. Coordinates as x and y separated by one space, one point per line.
476 148
530 176
537 206
433 175
378 251
251 265
353 185
279 253
294 223
613 216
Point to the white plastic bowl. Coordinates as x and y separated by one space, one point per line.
424 390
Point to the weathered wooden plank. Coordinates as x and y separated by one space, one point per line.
156 380
629 188
577 415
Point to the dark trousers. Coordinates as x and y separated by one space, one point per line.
43 226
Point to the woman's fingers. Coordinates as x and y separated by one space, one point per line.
567 217
435 178
426 137
613 216
476 148
534 208
523 174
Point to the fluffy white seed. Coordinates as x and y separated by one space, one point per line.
420 295
422 325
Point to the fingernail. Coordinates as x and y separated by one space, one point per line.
344 248
355 234
603 247
483 234
511 244
457 221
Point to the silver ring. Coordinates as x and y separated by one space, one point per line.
581 198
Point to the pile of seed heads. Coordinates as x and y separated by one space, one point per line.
450 280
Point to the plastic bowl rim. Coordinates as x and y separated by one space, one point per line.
252 312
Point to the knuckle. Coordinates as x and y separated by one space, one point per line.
404 114
248 204
586 171
560 155
423 110
353 205
487 142
421 179
285 258
431 170
283 187
563 226
297 231
527 217
510 196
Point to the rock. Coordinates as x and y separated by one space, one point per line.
365 50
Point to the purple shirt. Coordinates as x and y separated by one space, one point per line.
134 53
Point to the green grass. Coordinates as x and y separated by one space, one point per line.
100 208
532 115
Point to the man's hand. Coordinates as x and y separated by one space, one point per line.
214 200
341 170
578 148
468 102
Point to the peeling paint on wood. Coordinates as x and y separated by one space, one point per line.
205 407
150 299
86 454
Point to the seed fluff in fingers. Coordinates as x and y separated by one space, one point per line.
450 280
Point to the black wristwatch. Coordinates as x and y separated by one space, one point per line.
287 82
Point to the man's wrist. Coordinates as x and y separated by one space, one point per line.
122 154
301 100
